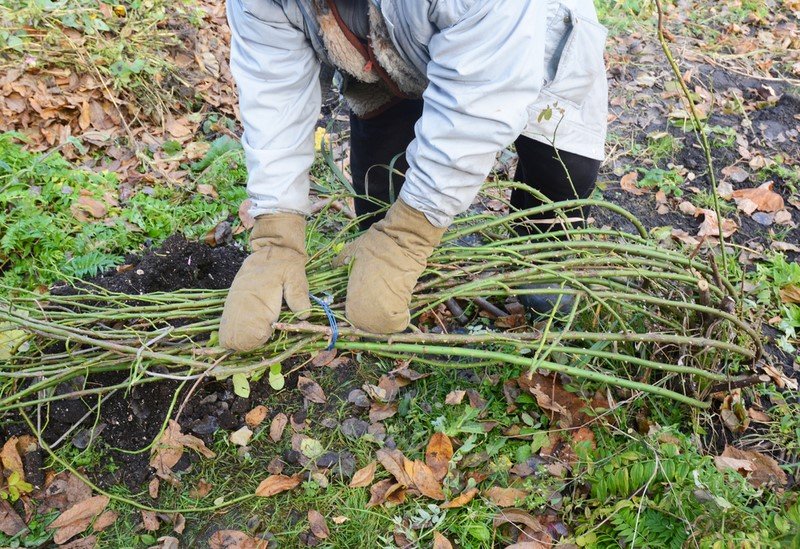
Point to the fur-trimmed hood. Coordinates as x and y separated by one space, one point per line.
375 72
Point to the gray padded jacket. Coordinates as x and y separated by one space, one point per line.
492 70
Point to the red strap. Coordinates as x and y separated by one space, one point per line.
352 38
371 63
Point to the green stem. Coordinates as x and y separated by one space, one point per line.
521 361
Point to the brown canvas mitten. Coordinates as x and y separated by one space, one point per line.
275 271
386 261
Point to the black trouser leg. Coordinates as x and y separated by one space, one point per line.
374 143
539 167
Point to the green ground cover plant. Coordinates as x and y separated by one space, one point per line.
57 221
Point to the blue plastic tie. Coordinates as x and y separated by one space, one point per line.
331 320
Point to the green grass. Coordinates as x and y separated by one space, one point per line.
42 238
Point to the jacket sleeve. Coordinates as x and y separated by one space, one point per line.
276 72
486 69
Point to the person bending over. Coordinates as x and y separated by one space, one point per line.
438 87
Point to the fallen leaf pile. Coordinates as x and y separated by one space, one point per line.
59 90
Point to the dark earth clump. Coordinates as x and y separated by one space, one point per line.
176 264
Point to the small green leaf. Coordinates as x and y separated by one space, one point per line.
311 448
171 147
241 386
546 114
276 380
540 438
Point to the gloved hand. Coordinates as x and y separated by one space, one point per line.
275 271
386 261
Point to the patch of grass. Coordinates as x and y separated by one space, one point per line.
622 15
667 181
58 220
790 175
704 199
767 280
659 147
659 491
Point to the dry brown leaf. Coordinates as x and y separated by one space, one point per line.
178 128
438 454
686 238
711 227
149 521
734 413
378 492
758 416
178 523
77 518
784 217
241 437
88 205
790 294
63 491
167 542
85 118
386 491
234 539
725 190
441 542
207 190
407 375
278 425
742 466
169 449
311 390
462 499
628 184
762 198
505 497
569 408
256 416
275 484
531 545
246 219
201 490
88 542
784 246
584 434
363 477
318 526
454 397
475 399
379 411
153 486
390 387
736 173
765 470
426 481
11 523
781 380
687 208
324 357
395 463
11 459
518 516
